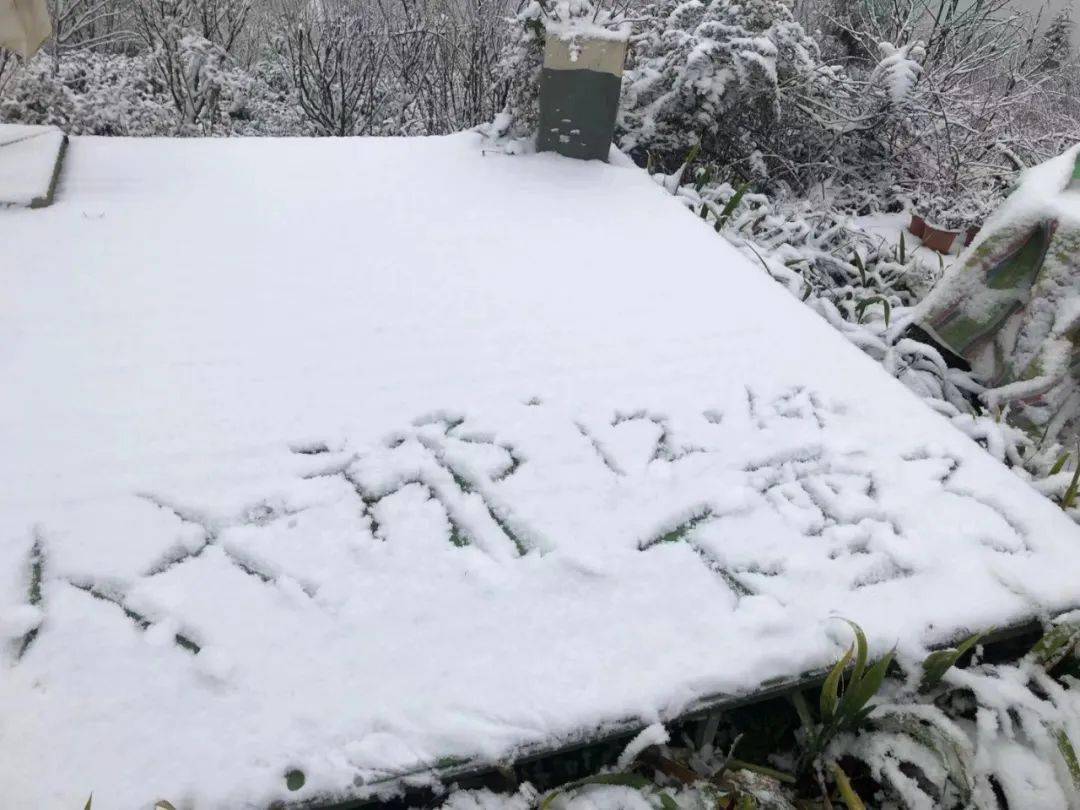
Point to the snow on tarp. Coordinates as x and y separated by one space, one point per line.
1010 305
351 456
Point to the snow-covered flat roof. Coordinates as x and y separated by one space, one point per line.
351 456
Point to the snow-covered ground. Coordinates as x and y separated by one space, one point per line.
349 456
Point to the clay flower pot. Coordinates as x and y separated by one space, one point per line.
970 234
917 225
939 239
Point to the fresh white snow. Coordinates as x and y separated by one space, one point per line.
28 157
350 456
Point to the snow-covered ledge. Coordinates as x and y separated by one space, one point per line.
30 160
579 89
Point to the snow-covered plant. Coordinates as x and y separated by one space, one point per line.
843 704
86 24
335 59
898 70
261 102
440 62
963 736
733 76
117 94
90 94
949 94
518 68
188 42
1057 40
965 202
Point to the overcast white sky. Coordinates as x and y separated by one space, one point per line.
1054 6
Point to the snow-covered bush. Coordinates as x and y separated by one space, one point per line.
90 94
987 728
734 77
188 42
972 92
967 205
519 68
440 64
335 63
260 102
899 70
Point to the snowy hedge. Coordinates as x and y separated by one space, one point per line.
728 76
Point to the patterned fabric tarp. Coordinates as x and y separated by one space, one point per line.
1011 305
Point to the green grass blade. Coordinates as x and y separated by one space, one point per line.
691 156
858 262
1059 465
1068 500
733 203
847 792
1068 753
866 688
830 689
1056 645
802 708
939 662
860 308
862 651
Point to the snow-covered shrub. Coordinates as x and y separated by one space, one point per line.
967 204
1057 40
519 68
733 76
261 102
977 732
188 42
898 70
90 94
335 60
954 99
440 64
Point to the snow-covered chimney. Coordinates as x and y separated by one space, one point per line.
579 93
